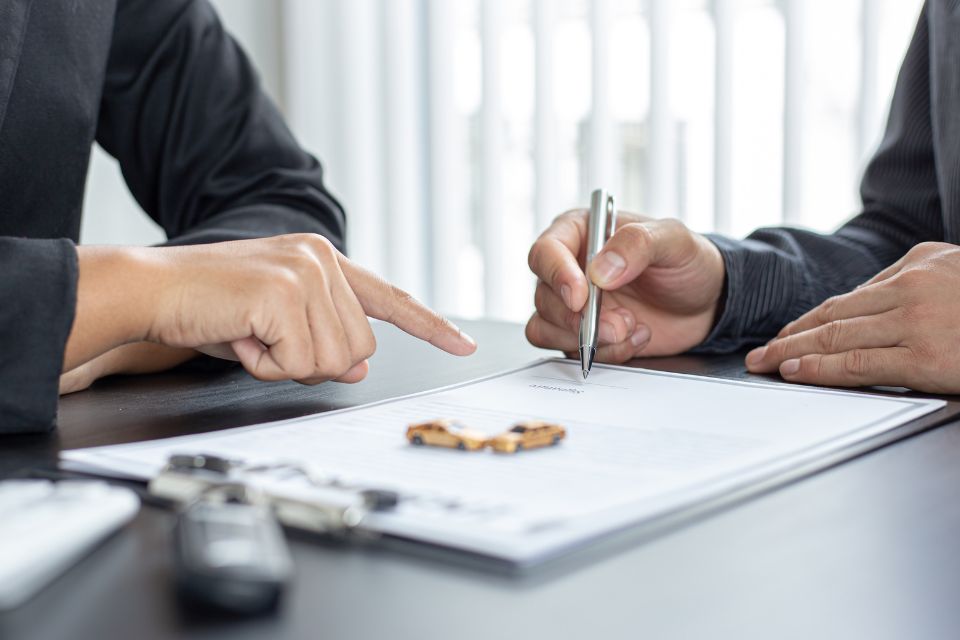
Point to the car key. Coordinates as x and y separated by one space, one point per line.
231 556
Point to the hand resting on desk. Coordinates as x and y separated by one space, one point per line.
897 329
288 308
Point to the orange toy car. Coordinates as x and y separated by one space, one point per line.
530 434
446 433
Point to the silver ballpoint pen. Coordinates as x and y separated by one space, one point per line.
600 226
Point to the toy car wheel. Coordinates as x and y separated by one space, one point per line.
461 445
518 448
417 440
556 440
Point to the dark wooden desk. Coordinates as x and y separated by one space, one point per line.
867 549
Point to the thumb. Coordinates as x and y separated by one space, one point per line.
638 245
257 359
383 301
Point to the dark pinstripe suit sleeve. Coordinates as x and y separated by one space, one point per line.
777 274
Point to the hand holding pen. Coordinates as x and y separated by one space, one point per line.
661 286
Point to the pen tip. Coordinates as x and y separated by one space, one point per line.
586 372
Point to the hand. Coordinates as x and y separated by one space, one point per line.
661 282
140 357
288 307
897 329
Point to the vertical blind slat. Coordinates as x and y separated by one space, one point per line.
601 144
362 126
491 159
447 218
793 120
661 165
406 222
723 115
545 151
869 104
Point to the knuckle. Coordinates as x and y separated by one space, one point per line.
287 286
320 244
675 226
777 349
925 248
331 367
539 296
571 213
811 368
910 278
622 352
533 257
367 346
303 261
827 309
531 332
534 332
787 330
400 301
540 262
439 324
313 247
342 364
302 369
636 235
401 296
830 336
854 363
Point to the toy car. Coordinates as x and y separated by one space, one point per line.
530 434
446 433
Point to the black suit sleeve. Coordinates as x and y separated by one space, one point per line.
202 148
38 292
777 274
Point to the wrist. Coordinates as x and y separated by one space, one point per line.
719 285
117 293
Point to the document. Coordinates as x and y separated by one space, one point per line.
639 444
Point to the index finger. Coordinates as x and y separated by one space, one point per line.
383 301
554 257
866 301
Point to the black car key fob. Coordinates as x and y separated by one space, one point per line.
231 556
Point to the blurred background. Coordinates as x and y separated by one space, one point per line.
453 131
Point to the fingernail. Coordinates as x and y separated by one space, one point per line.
756 356
790 367
565 293
606 267
641 336
607 333
628 320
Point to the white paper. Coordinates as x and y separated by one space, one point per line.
639 443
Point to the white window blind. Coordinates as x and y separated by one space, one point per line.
455 130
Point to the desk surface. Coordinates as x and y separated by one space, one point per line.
867 549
